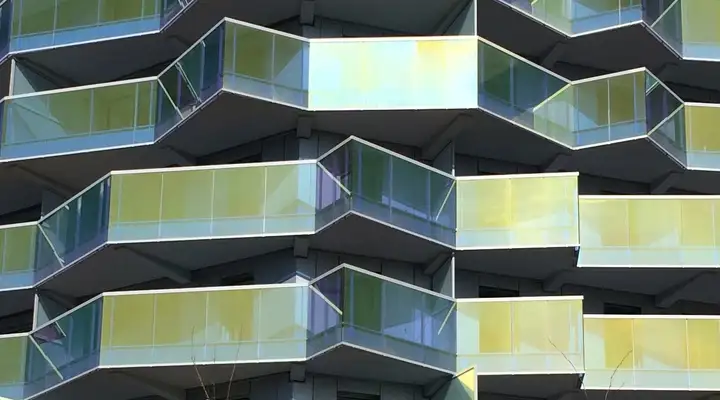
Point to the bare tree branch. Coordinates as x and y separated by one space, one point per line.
192 358
232 373
607 392
584 392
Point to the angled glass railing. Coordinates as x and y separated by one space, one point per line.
13 349
574 17
85 118
690 28
521 335
650 231
607 109
40 24
394 189
383 315
354 74
17 255
652 352
517 211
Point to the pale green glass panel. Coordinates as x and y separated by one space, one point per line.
554 13
556 117
76 13
604 232
180 321
113 107
699 22
38 16
537 211
393 74
661 352
120 10
12 362
626 98
233 324
654 233
146 103
703 138
704 345
252 52
17 249
187 196
283 323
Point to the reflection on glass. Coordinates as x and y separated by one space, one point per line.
666 20
391 73
595 111
394 190
222 202
521 211
679 353
665 117
83 119
510 86
12 366
385 316
77 227
223 325
71 343
703 141
642 231
267 64
39 23
580 16
17 256
520 335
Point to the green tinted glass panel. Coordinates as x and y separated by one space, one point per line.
12 365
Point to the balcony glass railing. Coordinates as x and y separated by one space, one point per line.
424 73
241 200
510 86
574 17
703 141
38 24
85 118
13 349
384 315
673 231
64 348
652 352
521 335
394 189
700 31
241 324
517 211
17 255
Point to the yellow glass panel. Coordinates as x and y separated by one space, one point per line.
252 53
12 362
135 198
699 21
484 204
180 319
542 207
698 228
19 249
284 191
592 103
118 10
239 192
71 111
530 330
282 314
495 320
233 316
704 344
128 321
617 342
187 195
701 126
38 16
604 222
654 222
146 103
660 344
75 14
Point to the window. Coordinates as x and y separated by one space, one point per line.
619 309
492 292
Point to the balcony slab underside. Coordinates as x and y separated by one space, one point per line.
539 386
644 395
16 300
531 263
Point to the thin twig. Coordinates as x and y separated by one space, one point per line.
232 373
607 393
192 358
584 392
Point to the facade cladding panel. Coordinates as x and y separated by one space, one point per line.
478 199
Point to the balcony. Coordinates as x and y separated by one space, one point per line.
533 345
17 256
12 365
651 353
376 313
506 223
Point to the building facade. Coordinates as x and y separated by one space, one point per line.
359 200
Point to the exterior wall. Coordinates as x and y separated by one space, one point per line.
468 282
